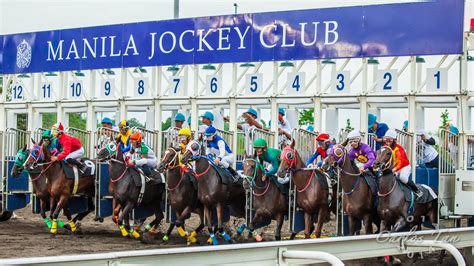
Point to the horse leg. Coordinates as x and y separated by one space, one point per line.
400 224
124 215
72 225
212 238
116 210
170 229
321 218
368 224
352 224
220 218
46 220
180 224
258 218
280 217
61 203
200 226
90 208
308 221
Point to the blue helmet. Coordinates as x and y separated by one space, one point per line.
208 115
372 119
405 124
106 120
179 117
210 131
454 129
252 112
281 110
310 128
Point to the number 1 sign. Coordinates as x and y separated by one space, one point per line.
436 79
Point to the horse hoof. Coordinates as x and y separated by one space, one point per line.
147 238
67 227
165 238
258 238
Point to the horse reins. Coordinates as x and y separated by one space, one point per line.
386 166
343 158
291 163
258 165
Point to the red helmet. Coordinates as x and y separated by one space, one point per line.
136 136
322 137
58 126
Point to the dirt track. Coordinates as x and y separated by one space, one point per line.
27 236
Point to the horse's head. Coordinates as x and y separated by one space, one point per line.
170 158
252 169
335 157
289 159
20 160
384 158
107 152
194 148
37 155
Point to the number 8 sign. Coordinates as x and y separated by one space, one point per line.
141 87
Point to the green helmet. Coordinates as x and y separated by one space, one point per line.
260 143
46 134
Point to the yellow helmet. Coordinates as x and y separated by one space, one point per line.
185 131
123 123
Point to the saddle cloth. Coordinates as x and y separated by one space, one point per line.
226 177
428 193
71 171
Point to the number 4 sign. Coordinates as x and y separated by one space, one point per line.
295 83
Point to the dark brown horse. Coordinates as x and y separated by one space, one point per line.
126 192
268 201
393 208
182 194
359 202
310 196
40 188
60 188
212 192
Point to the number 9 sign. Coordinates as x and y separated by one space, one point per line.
213 85
107 88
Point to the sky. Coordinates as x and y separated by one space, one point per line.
33 15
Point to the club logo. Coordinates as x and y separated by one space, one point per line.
23 55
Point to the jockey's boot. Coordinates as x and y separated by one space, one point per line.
75 162
415 189
233 173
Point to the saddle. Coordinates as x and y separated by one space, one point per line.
428 193
226 177
154 178
71 171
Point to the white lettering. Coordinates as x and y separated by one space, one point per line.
87 45
131 45
72 50
53 53
223 38
112 41
152 54
332 31
181 44
173 38
285 31
203 40
103 46
241 36
262 41
303 34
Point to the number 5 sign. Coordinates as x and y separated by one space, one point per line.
254 84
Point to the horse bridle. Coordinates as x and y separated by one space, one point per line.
258 165
341 159
173 160
388 163
290 161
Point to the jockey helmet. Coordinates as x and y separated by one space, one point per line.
391 134
260 143
210 131
179 117
252 112
322 137
58 127
184 131
372 119
208 115
136 137
46 135
106 120
123 123
405 125
354 135
281 110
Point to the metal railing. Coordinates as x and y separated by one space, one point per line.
448 151
240 150
84 136
228 137
371 142
420 150
102 136
37 133
405 140
169 138
468 141
150 137
13 140
256 133
305 142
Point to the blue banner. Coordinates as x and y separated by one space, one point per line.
421 28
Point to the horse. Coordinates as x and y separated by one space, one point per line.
40 187
311 196
182 194
126 192
393 208
359 202
212 192
60 188
268 202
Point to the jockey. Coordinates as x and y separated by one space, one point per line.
284 127
323 146
207 119
143 156
107 123
184 136
52 144
251 122
378 129
124 136
401 164
217 146
269 155
72 148
361 153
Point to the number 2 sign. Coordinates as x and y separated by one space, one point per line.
387 80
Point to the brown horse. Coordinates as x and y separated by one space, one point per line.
59 187
182 194
212 192
268 201
40 187
311 196
359 202
393 208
